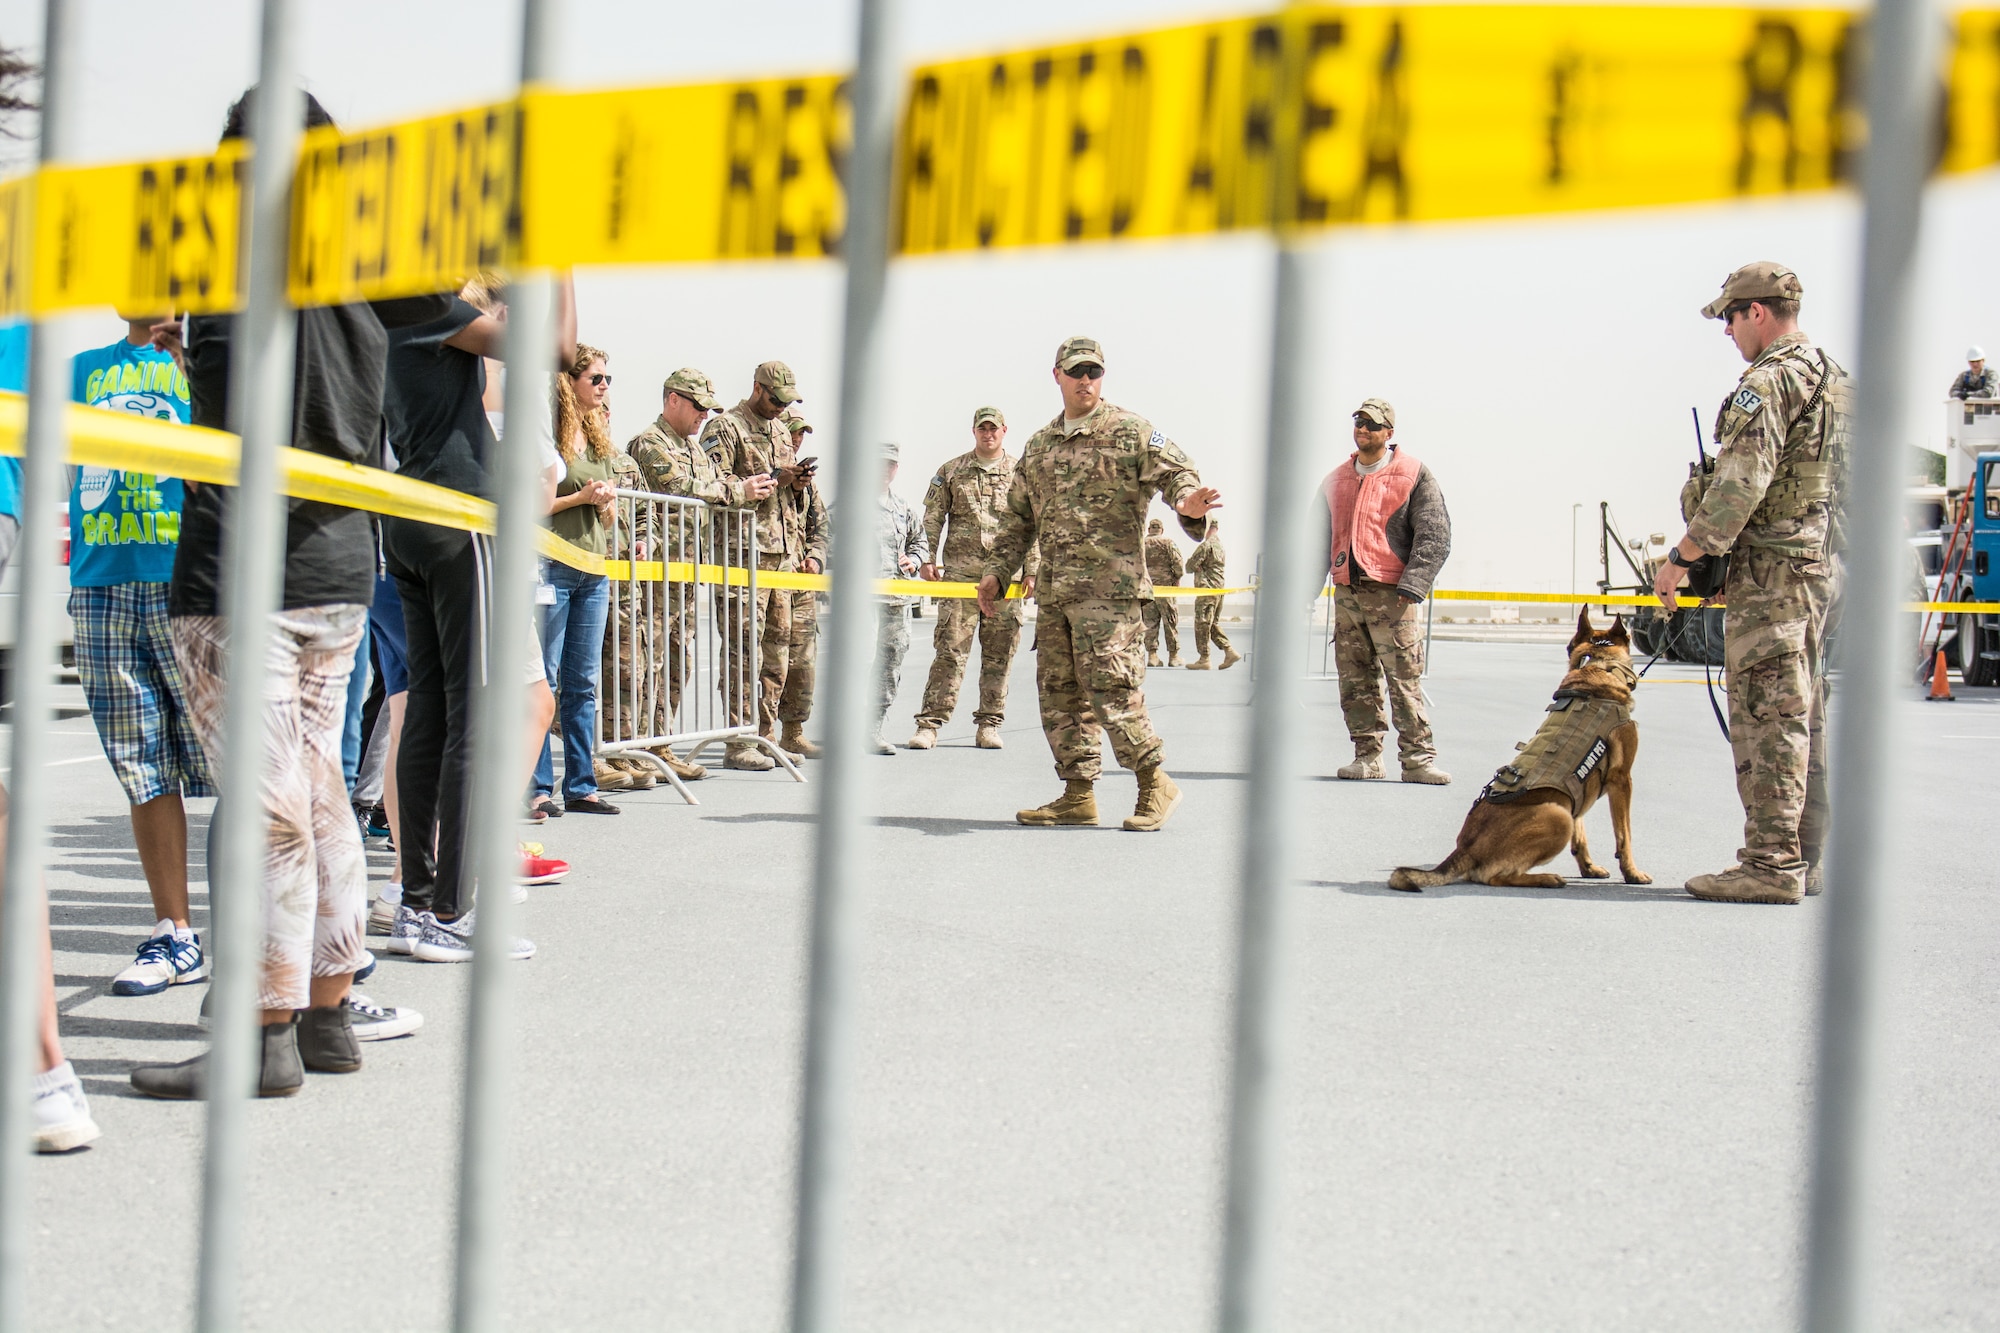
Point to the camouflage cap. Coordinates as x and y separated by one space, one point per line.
982 415
1155 528
778 378
892 453
1377 410
1075 352
1761 281
795 421
694 386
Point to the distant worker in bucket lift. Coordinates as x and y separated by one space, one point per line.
1386 534
1977 380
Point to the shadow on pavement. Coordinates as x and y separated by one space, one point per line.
934 827
1574 890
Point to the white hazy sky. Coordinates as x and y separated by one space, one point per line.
1535 364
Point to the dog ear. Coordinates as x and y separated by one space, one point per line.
1617 632
1584 633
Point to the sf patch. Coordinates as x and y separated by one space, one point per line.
1747 399
1159 438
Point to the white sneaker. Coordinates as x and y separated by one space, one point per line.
62 1114
451 941
379 1022
404 930
382 912
167 959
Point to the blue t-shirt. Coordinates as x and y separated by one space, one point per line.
124 526
13 379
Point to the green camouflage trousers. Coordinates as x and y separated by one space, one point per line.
1773 648
746 626
795 702
1208 626
1378 636
633 696
1161 613
958 620
1091 671
892 644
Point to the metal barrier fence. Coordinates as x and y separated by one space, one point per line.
682 669
1844 1166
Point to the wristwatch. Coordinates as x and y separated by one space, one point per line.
1674 557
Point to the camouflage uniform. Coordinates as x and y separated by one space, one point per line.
962 508
1083 494
672 464
805 511
1164 568
902 534
1781 440
1378 637
630 644
1205 564
741 444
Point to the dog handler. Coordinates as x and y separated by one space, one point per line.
1771 505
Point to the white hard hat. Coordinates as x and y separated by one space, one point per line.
1975 353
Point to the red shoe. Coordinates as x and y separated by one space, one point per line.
542 870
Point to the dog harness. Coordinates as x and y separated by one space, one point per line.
1574 739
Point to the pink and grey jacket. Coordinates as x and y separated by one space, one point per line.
1390 526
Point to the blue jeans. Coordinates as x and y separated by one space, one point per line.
357 697
573 650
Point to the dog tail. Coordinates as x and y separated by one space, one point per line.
1415 879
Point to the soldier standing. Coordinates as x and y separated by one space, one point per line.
1771 505
628 641
672 463
1976 381
1164 568
961 515
904 552
1386 534
1205 564
748 441
806 521
1082 489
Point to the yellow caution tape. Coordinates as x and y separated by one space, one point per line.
1309 117
1628 599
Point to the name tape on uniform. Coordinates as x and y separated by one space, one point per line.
1310 117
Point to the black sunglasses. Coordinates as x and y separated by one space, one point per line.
1086 371
599 381
1367 424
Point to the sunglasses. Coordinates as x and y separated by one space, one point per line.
1367 424
599 381
1086 371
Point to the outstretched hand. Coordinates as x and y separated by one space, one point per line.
1198 502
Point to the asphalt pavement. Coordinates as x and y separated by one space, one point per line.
1579 1108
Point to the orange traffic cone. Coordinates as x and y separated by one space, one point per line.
1940 682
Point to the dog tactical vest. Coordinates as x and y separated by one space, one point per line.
1574 740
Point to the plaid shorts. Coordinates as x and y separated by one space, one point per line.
125 657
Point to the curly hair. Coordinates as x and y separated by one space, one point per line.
596 424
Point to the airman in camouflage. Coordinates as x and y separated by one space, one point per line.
1206 565
1772 504
749 441
806 533
961 517
627 645
1082 489
672 463
1164 568
904 552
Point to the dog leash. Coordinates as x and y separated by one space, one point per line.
1707 675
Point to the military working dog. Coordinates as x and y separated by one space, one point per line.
1534 807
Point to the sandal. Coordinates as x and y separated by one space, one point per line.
590 805
544 807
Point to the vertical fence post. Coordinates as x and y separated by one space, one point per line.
840 861
1248 1297
34 686
498 724
1845 1151
260 407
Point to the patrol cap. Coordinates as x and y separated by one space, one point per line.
981 416
1377 410
778 378
1155 527
694 386
1076 352
892 453
1762 281
795 421
1972 353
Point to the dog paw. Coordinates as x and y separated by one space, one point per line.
1595 872
1637 877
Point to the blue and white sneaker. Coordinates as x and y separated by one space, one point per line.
367 969
451 941
167 959
406 929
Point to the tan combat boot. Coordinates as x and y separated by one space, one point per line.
988 737
644 776
1230 657
1174 660
1077 805
1739 884
925 739
1362 770
683 769
749 758
795 742
610 777
1153 660
1157 798
1201 663
1428 774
